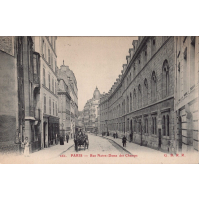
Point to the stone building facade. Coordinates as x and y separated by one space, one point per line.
48 103
141 101
64 107
19 94
69 78
186 93
90 112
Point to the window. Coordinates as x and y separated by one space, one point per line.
163 125
49 105
153 86
44 103
45 50
154 126
56 108
135 126
139 96
185 80
192 63
134 99
167 125
49 56
43 47
124 106
145 98
49 81
146 125
165 79
53 85
130 102
44 77
127 105
153 41
153 45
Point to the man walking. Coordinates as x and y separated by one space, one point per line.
67 137
124 141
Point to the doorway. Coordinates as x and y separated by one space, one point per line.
44 134
159 139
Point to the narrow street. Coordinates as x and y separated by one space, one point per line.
61 153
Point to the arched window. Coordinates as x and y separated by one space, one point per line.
139 96
134 99
153 86
165 79
146 126
127 105
152 125
130 102
145 97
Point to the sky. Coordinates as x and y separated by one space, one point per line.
95 61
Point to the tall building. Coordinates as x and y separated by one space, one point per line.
90 112
64 107
48 101
68 76
186 93
19 94
141 101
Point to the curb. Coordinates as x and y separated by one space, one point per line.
114 142
119 145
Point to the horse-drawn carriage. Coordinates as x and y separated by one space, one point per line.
81 140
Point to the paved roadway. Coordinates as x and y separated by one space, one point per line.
66 153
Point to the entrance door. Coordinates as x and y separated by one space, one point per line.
44 133
180 134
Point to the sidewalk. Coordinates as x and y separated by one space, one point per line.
42 156
132 147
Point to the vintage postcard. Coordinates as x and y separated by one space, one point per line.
99 100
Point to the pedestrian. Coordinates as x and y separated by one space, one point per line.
114 135
124 141
26 147
67 137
